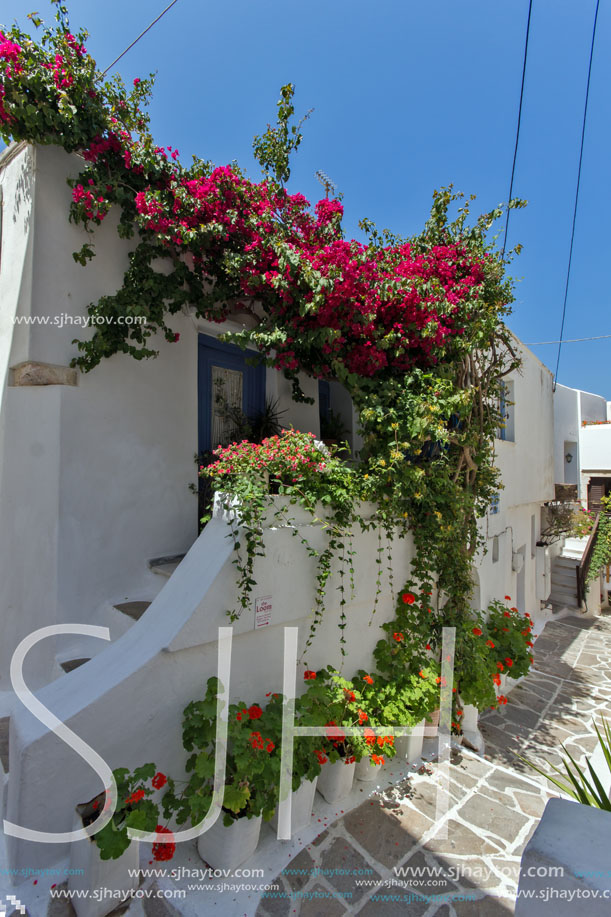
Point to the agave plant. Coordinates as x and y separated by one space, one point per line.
585 788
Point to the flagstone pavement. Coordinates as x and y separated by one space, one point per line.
467 863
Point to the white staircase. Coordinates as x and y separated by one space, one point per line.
564 574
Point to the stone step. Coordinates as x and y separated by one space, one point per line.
69 665
575 546
133 610
568 563
165 566
563 600
564 590
564 578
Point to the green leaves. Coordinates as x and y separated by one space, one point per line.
274 147
584 786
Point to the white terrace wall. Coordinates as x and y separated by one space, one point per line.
127 701
94 476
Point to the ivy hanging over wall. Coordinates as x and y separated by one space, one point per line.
413 328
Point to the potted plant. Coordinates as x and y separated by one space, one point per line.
335 703
305 769
251 779
109 859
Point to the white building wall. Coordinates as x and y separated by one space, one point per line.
526 464
596 448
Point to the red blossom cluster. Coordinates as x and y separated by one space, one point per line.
258 742
292 452
164 850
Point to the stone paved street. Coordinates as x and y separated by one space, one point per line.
495 803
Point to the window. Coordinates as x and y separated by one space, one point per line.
506 431
494 504
495 549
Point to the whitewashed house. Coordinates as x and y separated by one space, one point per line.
95 508
582 458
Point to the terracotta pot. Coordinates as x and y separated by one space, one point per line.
335 780
302 803
227 847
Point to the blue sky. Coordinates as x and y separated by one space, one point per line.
407 97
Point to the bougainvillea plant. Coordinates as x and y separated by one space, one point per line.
413 328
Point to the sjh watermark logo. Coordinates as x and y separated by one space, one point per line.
289 733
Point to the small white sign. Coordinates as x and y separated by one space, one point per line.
263 611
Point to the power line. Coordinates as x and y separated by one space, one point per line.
596 337
515 150
583 134
148 28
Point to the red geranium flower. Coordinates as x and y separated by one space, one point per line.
408 598
164 850
477 631
377 759
255 712
509 662
159 780
309 675
508 598
136 796
490 644
398 637
362 717
368 679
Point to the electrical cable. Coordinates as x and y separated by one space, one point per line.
148 28
515 150
596 337
583 133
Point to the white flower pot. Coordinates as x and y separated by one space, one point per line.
227 848
98 873
366 770
335 780
469 718
302 803
410 747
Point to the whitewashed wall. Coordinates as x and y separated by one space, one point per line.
527 469
596 448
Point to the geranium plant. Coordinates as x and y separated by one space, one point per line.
334 702
253 760
135 809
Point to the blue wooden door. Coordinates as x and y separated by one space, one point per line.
225 379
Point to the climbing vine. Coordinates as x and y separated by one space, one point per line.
413 328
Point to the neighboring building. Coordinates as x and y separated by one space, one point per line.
94 475
582 448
